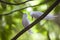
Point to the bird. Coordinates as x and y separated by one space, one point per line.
26 22
37 14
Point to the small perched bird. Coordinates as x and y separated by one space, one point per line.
37 14
26 22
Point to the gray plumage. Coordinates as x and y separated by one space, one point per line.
26 22
37 14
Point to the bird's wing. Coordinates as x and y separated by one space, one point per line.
25 22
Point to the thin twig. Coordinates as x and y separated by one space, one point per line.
12 3
37 20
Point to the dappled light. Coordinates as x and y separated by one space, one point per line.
29 20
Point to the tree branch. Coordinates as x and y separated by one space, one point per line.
12 3
21 9
37 20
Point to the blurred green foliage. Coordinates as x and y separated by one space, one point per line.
11 24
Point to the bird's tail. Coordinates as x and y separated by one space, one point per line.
30 31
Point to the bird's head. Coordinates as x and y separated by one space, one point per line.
24 15
32 14
35 14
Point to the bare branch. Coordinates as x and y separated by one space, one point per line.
12 3
21 9
37 20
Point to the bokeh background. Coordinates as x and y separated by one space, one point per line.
11 23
